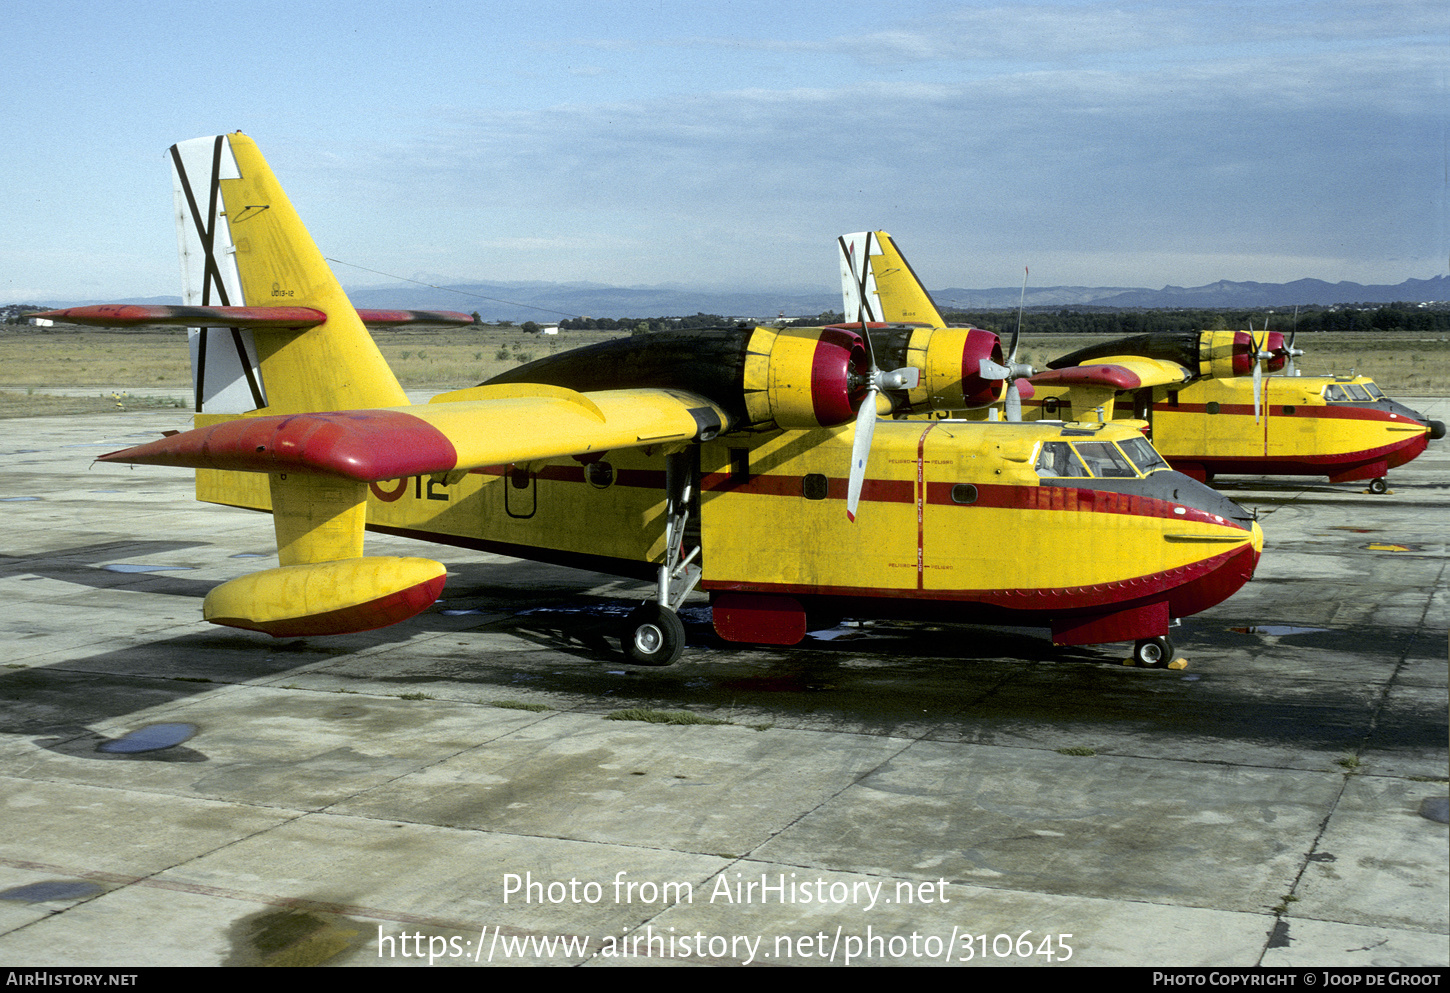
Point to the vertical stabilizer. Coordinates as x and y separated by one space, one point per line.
242 244
877 280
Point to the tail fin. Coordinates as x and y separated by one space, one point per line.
242 244
877 283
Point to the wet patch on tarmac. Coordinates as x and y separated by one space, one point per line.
57 890
132 567
151 738
294 937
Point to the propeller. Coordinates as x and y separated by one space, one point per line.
1289 350
876 381
905 378
1013 370
1259 355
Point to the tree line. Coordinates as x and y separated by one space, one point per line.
1397 317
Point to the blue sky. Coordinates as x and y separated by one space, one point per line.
726 145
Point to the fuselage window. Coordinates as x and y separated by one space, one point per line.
964 493
814 486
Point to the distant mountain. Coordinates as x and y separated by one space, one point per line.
1223 293
548 302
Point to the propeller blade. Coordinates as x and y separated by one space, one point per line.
861 451
1021 302
1013 404
1259 356
1258 389
988 369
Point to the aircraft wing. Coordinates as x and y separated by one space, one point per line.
486 425
1120 372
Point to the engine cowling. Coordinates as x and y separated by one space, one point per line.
1278 352
1225 354
805 377
950 360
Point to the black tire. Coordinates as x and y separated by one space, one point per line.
1379 485
1154 653
653 635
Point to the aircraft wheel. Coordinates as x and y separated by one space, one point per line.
653 635
1379 485
1155 653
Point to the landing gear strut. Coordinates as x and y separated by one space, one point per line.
1155 653
653 634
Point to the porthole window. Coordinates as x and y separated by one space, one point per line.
964 493
599 474
1212 407
1289 409
519 476
814 486
1050 405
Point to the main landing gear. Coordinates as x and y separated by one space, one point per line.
653 634
1153 653
1378 485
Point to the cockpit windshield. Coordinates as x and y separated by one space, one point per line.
1351 393
1101 459
1104 460
1058 459
1144 455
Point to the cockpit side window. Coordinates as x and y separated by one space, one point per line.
1104 460
1144 455
1334 393
1058 459
1357 392
1373 391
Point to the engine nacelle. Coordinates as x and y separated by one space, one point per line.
805 377
950 360
1225 354
1278 352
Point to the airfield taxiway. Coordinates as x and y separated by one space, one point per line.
896 794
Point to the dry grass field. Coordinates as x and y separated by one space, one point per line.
35 359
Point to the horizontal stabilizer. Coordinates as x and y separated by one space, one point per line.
414 318
118 315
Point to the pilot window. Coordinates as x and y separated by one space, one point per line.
1058 459
1104 460
1357 392
1373 391
1335 393
1143 455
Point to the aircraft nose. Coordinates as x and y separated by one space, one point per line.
1437 430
